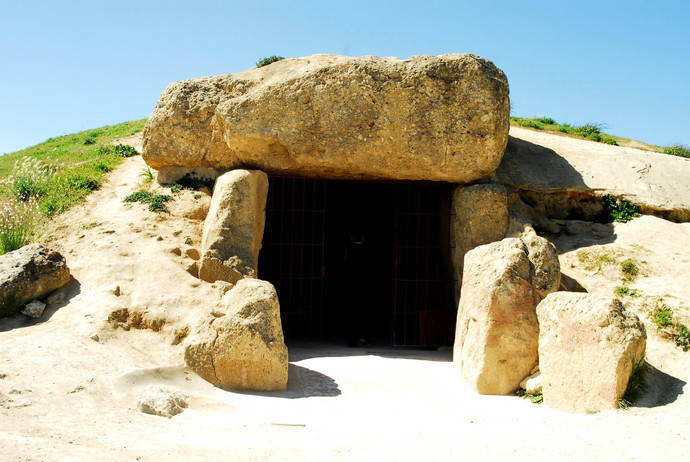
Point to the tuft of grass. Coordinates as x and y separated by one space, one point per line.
546 120
677 331
630 269
622 291
269 60
618 210
146 175
156 201
590 131
677 150
536 398
636 385
18 220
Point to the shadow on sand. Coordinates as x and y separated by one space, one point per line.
18 321
302 383
660 388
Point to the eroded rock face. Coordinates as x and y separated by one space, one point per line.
243 349
160 401
234 227
29 273
587 347
424 118
497 331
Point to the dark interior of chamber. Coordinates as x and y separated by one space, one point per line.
358 262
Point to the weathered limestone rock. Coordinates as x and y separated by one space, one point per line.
546 269
234 227
497 330
587 347
34 309
29 273
479 215
243 349
424 118
161 401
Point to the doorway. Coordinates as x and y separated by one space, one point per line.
356 261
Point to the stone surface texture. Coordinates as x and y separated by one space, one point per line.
424 118
34 309
560 172
160 401
587 347
479 215
244 349
30 273
234 227
497 331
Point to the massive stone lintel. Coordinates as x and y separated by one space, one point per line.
441 118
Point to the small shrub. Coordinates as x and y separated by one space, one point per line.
618 209
146 175
102 166
193 183
124 150
270 60
677 150
546 120
622 291
529 123
156 201
536 398
589 129
630 269
608 140
31 178
89 140
663 318
17 222
175 188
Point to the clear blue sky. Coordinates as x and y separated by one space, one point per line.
68 66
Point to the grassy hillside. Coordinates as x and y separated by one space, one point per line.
593 132
42 181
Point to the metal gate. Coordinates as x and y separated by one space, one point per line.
295 258
292 255
422 307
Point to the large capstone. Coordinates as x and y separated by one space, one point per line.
424 118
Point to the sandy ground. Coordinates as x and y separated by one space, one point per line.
69 383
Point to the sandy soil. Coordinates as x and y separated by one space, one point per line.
69 383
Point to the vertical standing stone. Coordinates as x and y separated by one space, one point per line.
479 215
234 227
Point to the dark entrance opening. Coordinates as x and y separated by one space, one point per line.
356 260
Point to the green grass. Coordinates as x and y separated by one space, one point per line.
156 201
629 269
618 210
62 171
590 131
677 331
269 60
677 150
536 398
17 222
622 291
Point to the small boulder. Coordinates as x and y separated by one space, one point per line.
497 330
161 401
588 345
243 349
234 227
34 309
29 273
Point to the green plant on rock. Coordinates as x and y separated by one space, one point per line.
269 60
618 210
668 327
622 291
629 269
536 398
